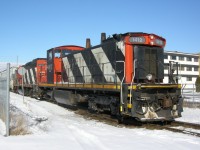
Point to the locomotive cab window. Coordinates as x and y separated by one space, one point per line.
50 55
57 53
65 53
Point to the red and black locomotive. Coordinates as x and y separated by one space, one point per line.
123 75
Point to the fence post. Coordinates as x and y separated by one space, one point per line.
8 101
193 95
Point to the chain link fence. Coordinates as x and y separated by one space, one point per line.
191 97
5 97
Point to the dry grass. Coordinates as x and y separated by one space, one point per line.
18 124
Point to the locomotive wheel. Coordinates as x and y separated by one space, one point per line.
120 119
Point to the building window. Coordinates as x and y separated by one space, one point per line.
165 56
175 68
181 58
189 68
182 68
195 59
196 69
188 78
166 66
189 59
173 57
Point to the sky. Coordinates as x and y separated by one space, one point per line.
28 28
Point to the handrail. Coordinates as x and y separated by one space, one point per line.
121 92
132 82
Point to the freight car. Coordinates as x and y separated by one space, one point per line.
123 75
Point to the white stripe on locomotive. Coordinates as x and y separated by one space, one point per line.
32 76
85 72
28 77
68 70
24 79
105 65
121 46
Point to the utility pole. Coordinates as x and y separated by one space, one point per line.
17 61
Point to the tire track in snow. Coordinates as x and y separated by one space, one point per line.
87 140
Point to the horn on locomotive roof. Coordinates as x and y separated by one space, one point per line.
88 44
103 37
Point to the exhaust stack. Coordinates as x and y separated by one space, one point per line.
103 37
88 44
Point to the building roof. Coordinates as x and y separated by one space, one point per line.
181 53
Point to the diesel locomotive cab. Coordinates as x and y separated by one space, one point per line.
147 97
55 67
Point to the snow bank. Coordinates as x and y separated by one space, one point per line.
2 128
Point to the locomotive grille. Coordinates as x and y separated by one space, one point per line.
148 60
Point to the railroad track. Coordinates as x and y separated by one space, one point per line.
185 128
176 126
186 124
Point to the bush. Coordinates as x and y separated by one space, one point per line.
197 83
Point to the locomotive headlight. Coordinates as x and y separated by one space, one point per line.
159 42
152 43
149 77
151 37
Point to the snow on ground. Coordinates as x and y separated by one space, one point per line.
2 128
190 115
63 129
191 95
